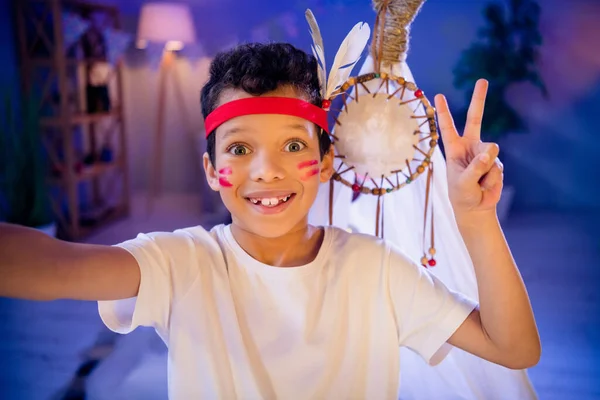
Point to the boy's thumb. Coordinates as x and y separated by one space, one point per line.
478 167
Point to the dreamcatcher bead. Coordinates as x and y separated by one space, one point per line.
432 142
411 86
419 93
420 169
430 111
401 81
345 86
424 261
431 263
383 75
432 251
355 187
388 190
408 180
326 104
352 81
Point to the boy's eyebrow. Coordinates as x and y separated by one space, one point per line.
232 131
296 127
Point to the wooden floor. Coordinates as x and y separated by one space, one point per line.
42 345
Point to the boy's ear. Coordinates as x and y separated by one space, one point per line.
327 165
211 173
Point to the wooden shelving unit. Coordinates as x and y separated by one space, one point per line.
87 193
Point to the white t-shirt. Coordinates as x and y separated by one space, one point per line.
240 329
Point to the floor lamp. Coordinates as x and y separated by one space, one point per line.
170 24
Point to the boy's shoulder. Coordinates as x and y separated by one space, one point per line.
178 240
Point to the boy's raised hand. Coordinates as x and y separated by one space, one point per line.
474 172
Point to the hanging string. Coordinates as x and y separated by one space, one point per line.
424 259
432 249
382 217
377 215
330 201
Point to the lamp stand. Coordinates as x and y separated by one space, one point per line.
167 70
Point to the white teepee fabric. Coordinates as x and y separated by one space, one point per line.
461 375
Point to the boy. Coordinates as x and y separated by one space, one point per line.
269 306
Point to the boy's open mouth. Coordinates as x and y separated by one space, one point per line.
270 202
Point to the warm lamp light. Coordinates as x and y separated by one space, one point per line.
168 23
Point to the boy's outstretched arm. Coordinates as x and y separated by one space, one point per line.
503 329
36 266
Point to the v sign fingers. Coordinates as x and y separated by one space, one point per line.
475 112
450 136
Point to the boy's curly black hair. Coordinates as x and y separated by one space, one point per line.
257 69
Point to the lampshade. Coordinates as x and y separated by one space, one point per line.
169 23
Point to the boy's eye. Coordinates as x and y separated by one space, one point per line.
295 146
239 150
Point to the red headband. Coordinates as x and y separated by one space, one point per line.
266 105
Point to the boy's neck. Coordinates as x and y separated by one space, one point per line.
296 248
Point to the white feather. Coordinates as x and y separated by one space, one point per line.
347 56
317 49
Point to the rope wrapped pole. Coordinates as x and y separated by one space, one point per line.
391 35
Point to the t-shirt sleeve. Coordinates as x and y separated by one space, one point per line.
426 311
167 270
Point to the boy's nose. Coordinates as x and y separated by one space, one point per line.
267 168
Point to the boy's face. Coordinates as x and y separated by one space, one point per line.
268 169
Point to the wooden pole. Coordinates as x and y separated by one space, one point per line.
69 177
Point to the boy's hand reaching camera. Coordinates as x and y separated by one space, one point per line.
475 174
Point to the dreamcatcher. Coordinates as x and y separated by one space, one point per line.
384 128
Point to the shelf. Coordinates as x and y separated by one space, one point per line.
88 172
93 5
59 74
50 62
78 119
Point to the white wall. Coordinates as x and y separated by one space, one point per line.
182 170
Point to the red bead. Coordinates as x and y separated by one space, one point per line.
356 188
326 104
419 93
431 263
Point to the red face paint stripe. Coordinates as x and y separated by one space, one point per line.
311 173
305 164
224 182
225 171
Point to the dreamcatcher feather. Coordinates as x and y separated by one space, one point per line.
384 132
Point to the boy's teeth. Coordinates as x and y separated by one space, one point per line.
271 201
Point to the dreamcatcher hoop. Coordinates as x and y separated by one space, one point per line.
411 171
